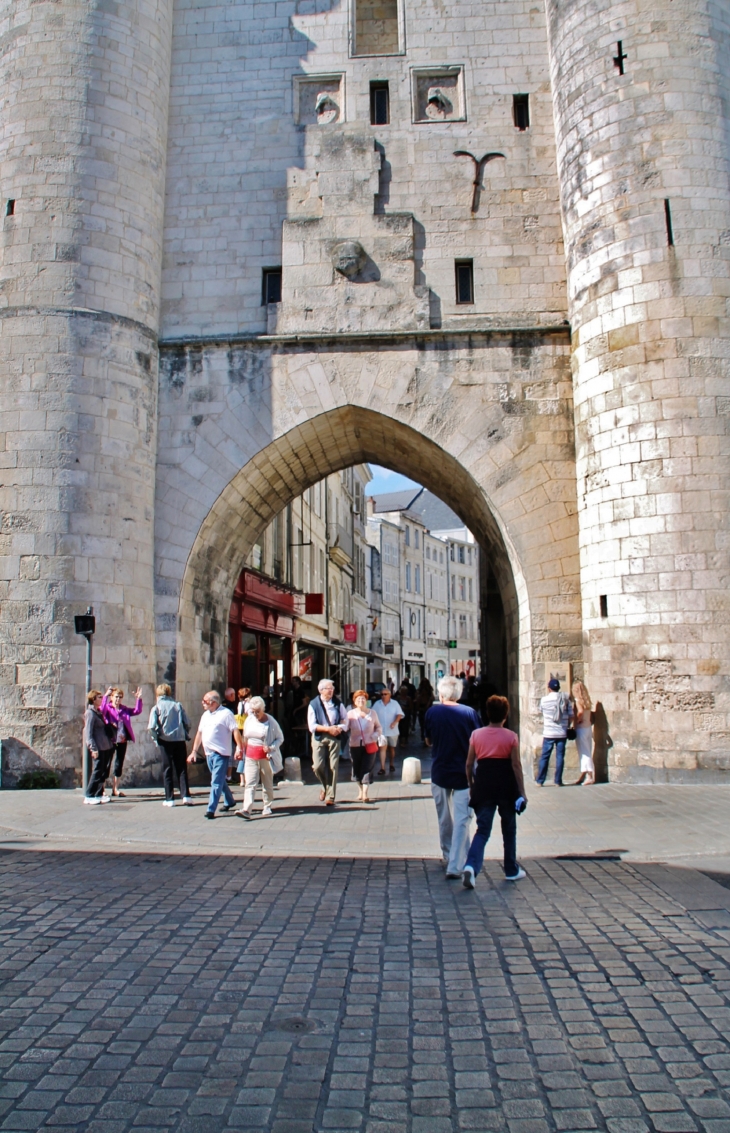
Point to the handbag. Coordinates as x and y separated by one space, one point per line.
369 748
570 734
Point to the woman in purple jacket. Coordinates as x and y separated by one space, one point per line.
114 712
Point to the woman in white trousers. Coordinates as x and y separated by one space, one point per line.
584 734
262 737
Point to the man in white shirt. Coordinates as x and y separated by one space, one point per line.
390 713
556 711
217 726
327 721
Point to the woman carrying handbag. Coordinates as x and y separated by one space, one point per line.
365 735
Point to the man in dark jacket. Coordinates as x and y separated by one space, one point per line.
327 721
448 728
100 739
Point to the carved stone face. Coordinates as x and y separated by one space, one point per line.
326 109
438 105
349 258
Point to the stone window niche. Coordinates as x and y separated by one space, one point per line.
377 27
319 100
437 94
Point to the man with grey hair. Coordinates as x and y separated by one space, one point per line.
217 726
327 721
448 727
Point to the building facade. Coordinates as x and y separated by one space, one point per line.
246 247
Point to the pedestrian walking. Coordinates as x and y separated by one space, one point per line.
170 729
262 737
230 701
403 697
583 718
217 726
390 714
423 701
327 722
448 728
244 695
556 714
495 777
118 714
100 739
366 734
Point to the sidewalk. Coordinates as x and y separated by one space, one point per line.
159 973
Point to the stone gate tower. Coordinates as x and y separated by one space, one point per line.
155 171
84 88
642 104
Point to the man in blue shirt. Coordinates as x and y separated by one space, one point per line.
448 729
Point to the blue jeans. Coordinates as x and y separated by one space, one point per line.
485 818
547 749
218 767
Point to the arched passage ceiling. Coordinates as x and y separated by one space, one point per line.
285 468
304 455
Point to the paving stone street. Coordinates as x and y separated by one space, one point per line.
297 992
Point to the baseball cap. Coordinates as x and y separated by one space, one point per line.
554 685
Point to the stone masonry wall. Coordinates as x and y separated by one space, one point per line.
241 74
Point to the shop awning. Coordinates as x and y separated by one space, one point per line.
350 650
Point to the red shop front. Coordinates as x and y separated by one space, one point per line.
260 633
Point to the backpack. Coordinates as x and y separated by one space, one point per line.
556 711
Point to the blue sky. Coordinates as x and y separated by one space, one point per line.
386 481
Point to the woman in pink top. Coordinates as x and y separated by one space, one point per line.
494 772
365 735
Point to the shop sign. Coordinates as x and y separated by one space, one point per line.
349 632
305 667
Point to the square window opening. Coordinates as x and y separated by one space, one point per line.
271 286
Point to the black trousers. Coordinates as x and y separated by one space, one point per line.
99 774
362 764
175 754
121 750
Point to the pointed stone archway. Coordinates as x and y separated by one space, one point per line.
487 429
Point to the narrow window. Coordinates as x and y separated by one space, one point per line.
379 104
604 605
521 111
620 58
271 286
415 538
668 222
464 281
10 208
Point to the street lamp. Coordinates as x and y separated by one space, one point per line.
85 625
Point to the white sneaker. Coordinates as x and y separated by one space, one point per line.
169 802
467 877
187 801
518 876
105 799
91 802
266 812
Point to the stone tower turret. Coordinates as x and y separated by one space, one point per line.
640 101
85 88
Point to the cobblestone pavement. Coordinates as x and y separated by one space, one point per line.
203 993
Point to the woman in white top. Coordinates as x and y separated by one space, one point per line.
583 718
262 737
